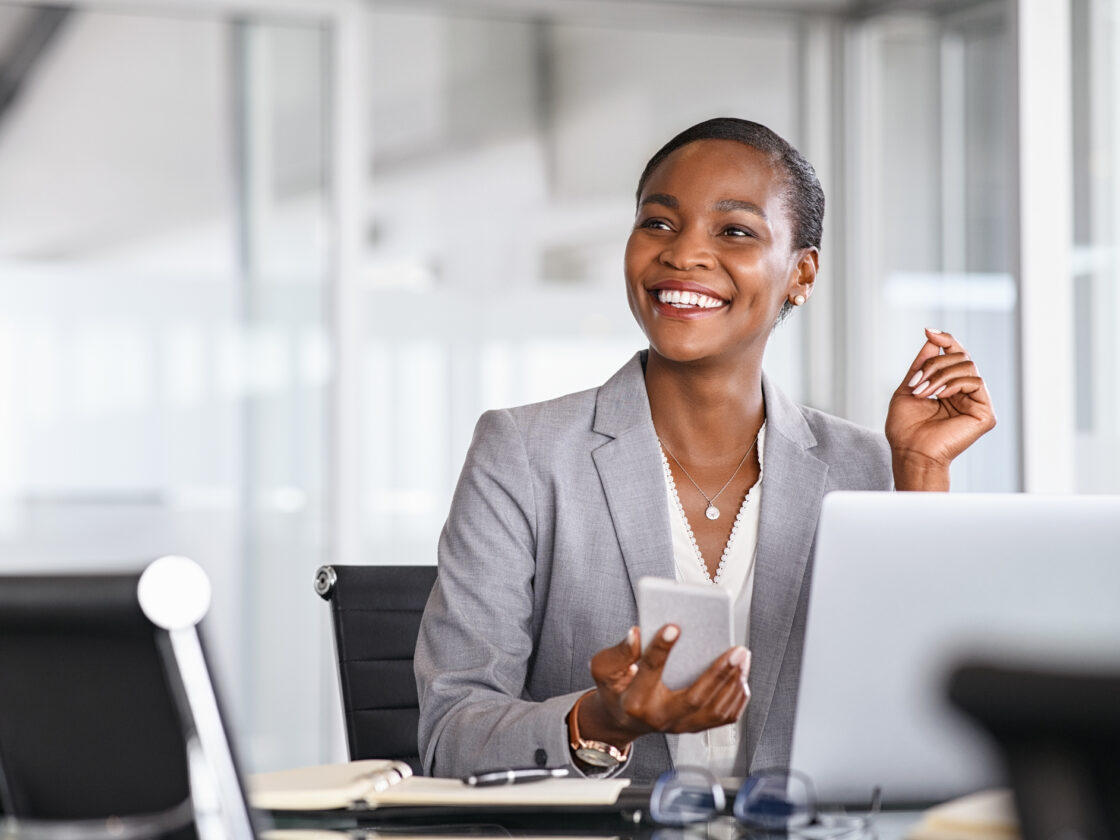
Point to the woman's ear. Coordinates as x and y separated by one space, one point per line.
804 276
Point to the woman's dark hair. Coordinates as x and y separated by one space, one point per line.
804 196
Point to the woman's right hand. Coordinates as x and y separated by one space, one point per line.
631 699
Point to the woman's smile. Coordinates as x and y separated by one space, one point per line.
687 300
676 299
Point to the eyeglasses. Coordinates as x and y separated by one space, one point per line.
768 801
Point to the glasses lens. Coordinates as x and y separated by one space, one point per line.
774 801
685 795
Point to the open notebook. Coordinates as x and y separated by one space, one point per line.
374 783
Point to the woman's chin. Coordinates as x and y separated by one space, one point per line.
684 354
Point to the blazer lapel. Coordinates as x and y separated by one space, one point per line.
633 481
793 486
631 474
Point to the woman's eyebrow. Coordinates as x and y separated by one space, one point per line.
664 199
735 204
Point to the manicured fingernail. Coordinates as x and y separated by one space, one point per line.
914 380
921 388
933 396
738 656
671 633
631 636
932 330
633 669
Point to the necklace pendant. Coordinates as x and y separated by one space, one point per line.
712 512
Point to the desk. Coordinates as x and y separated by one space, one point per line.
889 825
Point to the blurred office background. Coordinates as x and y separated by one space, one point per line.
263 262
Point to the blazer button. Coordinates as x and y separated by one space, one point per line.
541 758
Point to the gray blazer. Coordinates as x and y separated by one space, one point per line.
560 508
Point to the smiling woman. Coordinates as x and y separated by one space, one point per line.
711 221
562 506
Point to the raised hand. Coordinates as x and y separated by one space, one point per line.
938 410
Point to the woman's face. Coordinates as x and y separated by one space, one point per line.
709 262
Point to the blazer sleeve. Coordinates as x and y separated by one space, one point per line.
477 635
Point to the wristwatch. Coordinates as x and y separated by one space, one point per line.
595 753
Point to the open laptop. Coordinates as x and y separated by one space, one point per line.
907 585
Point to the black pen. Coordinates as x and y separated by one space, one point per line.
513 776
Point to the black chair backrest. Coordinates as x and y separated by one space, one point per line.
88 721
376 613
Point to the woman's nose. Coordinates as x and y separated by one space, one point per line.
688 249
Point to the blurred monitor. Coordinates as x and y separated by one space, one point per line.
108 717
907 585
1059 734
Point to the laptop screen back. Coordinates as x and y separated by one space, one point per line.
906 585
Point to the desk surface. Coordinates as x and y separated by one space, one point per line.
889 825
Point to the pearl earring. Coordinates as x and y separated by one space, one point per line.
798 300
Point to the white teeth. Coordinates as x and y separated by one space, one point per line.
681 300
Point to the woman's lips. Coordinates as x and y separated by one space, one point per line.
683 303
681 298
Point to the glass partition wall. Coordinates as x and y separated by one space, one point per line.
932 234
1095 78
164 358
264 264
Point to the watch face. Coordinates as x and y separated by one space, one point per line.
596 758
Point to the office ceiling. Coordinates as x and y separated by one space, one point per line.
25 34
53 122
12 21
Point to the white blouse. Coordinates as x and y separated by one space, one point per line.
719 749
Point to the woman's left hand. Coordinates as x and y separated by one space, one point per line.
941 407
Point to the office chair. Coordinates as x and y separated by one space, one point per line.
109 725
376 613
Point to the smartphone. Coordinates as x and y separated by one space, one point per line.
703 613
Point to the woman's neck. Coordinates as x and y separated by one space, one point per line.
704 410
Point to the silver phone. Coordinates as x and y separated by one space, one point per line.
703 613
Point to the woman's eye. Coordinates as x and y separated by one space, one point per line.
655 224
735 230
